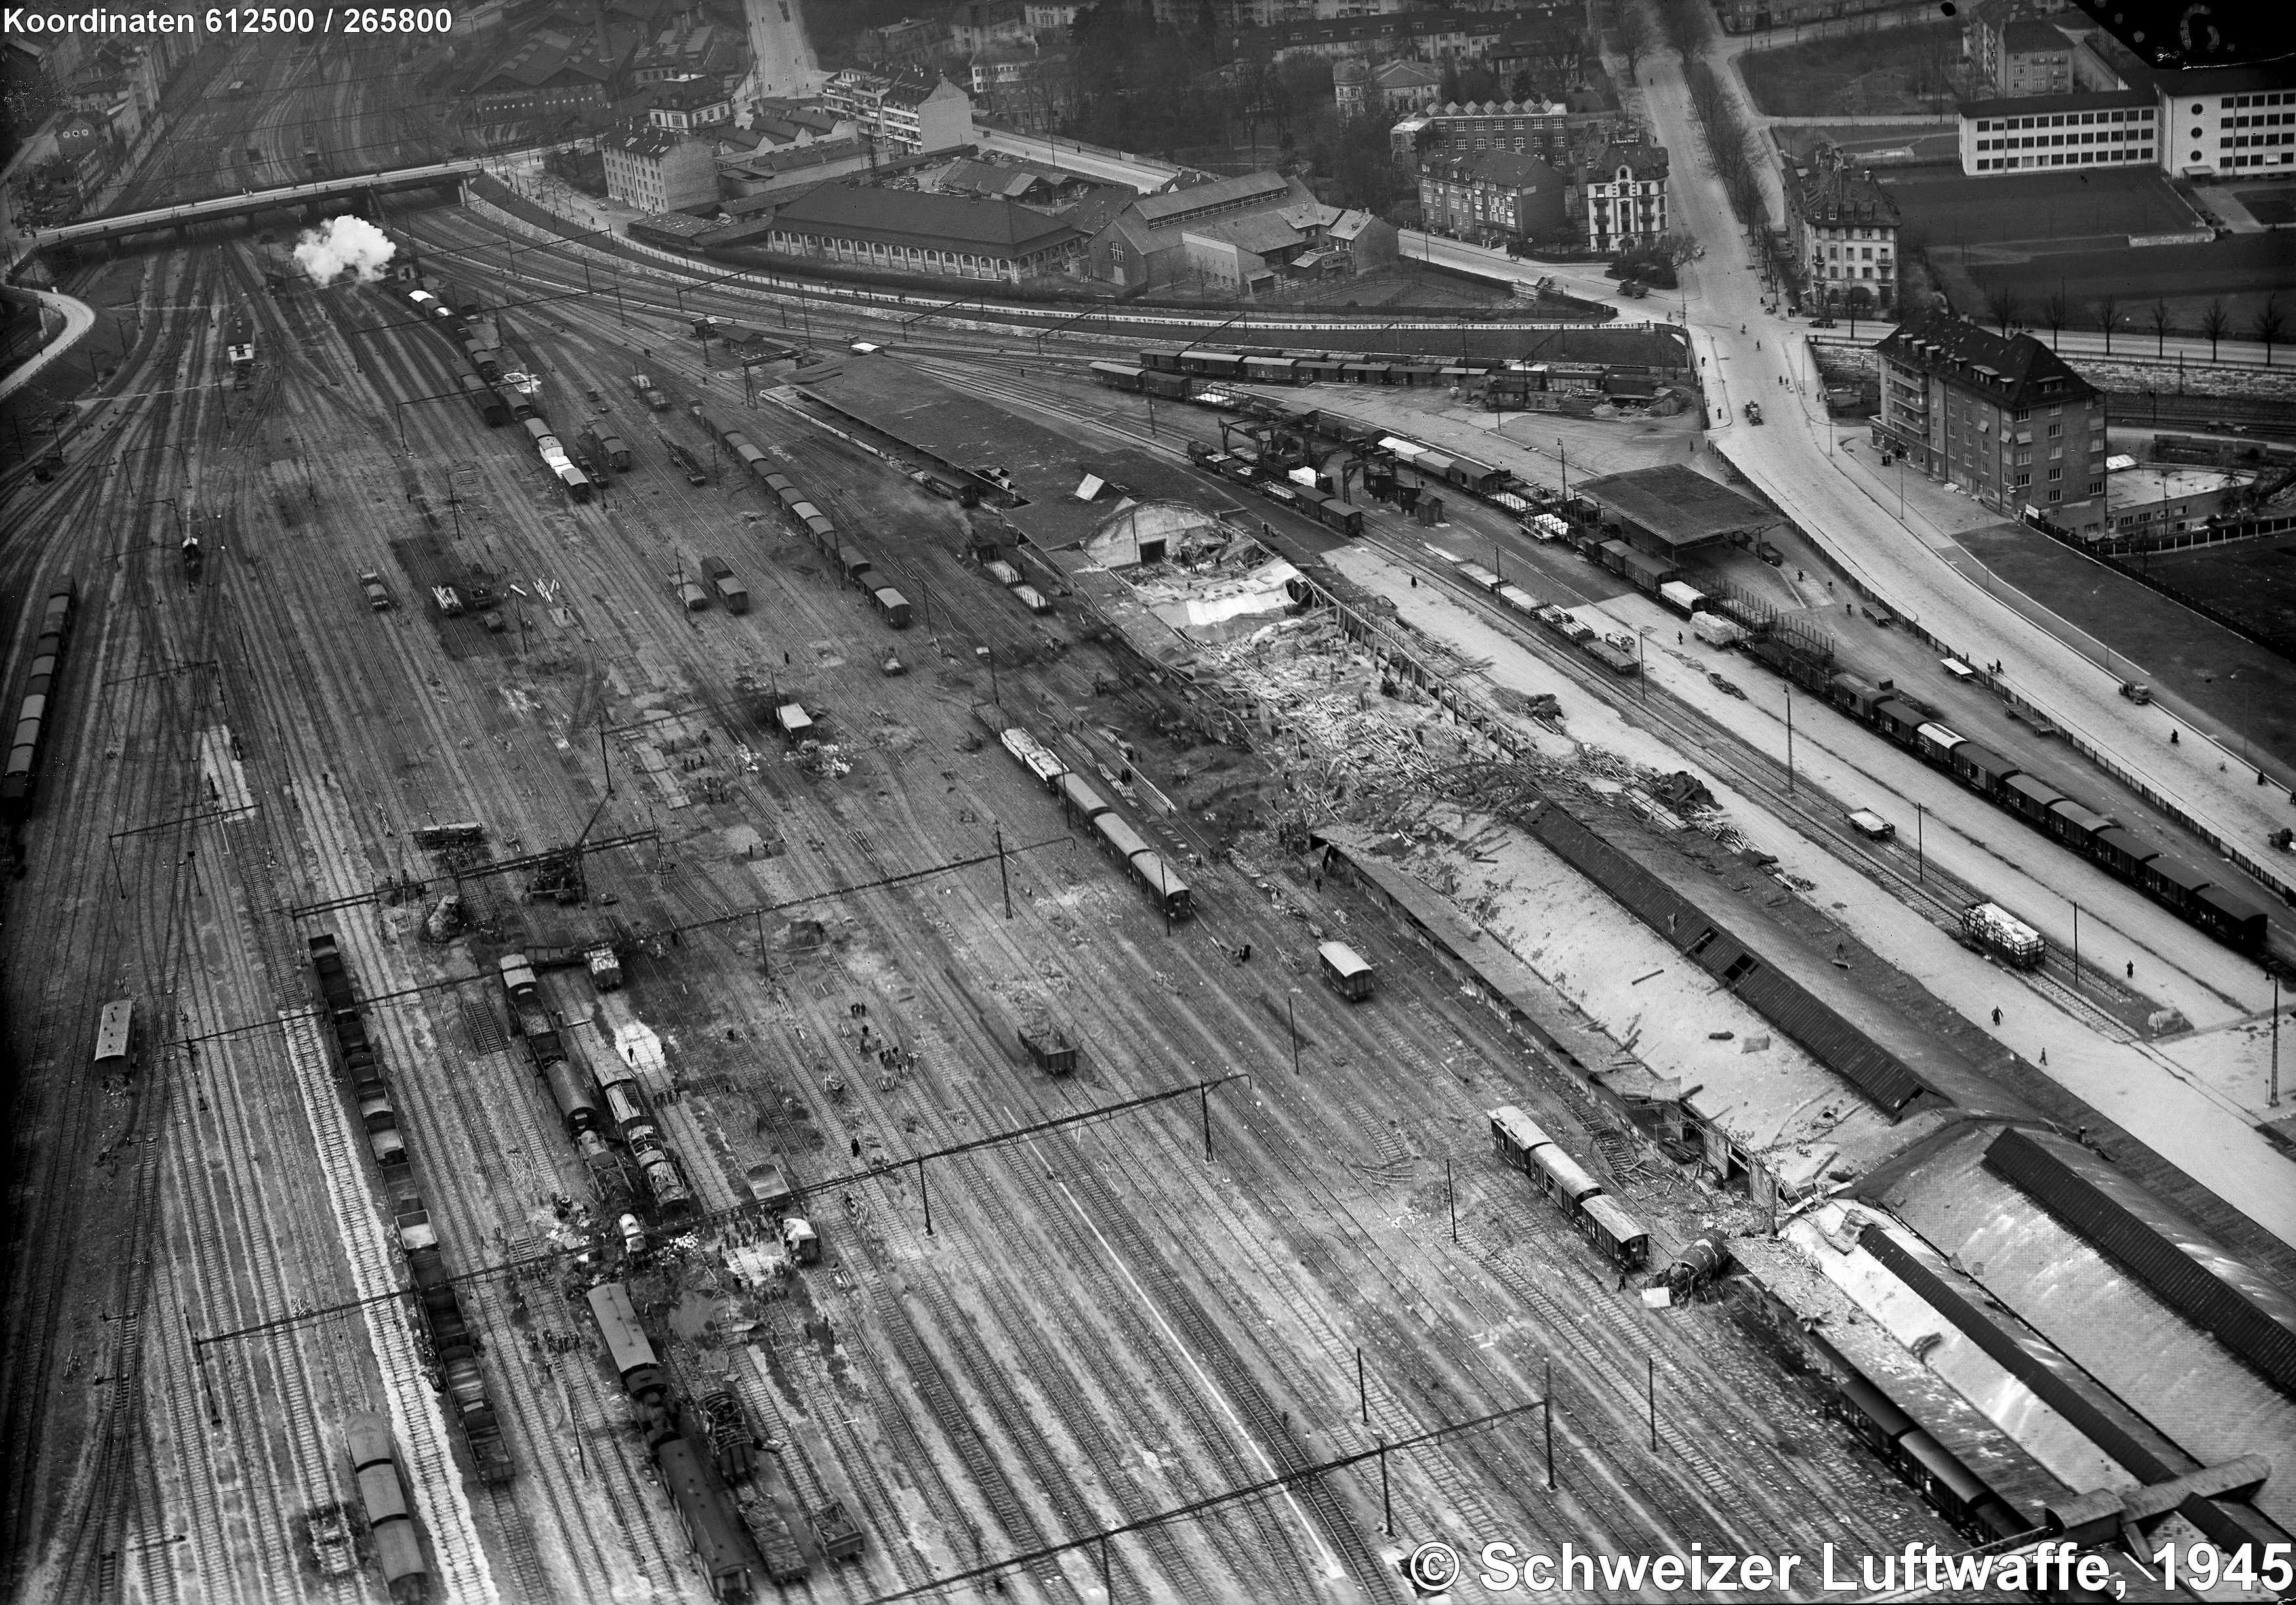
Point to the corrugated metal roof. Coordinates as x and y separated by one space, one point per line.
1828 1038
2180 1263
2047 1373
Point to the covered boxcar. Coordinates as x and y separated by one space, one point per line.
1346 971
1613 1233
1116 375
628 1351
1937 741
1982 769
1078 800
397 1545
2029 798
2228 917
1515 1137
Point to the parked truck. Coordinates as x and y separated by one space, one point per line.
731 591
1992 927
378 597
643 386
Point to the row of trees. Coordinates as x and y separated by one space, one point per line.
1730 142
2055 312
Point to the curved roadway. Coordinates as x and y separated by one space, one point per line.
1906 564
79 318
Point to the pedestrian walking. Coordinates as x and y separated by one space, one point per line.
2172 739
2132 969
1997 1017
2045 1056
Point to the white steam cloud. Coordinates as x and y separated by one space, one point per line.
340 245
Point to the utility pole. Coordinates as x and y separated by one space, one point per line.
1002 876
1790 777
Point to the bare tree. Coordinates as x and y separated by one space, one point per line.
2270 325
2107 313
2162 319
2001 302
2054 310
1636 37
2216 323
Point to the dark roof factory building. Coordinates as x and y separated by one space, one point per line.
922 231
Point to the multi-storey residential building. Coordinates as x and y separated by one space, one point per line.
2001 417
2024 46
1351 89
659 170
1025 86
689 105
1047 16
1621 195
1401 85
1750 16
911 42
1463 129
905 114
1844 233
921 231
981 23
1490 197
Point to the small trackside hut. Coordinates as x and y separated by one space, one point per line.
1346 971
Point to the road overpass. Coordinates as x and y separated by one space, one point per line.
315 195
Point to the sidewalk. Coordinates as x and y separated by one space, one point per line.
79 318
2237 695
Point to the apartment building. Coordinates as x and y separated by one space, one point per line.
1464 129
659 170
905 114
1492 196
2001 417
1844 231
1621 195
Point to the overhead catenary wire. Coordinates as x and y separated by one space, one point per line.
1099 1112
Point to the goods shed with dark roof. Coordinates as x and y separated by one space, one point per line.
971 434
922 231
1670 508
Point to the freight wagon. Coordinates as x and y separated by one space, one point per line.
487 404
730 1564
1345 971
115 1040
398 1544
2225 912
892 606
1606 1226
36 714
731 591
630 1353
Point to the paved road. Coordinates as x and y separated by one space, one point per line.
1908 567
79 318
784 57
1110 167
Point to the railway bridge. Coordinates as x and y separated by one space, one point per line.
314 199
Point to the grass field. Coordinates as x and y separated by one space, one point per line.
2068 232
2043 212
2270 203
1865 74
